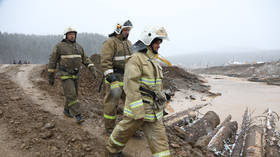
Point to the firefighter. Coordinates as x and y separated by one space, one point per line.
114 53
145 99
70 56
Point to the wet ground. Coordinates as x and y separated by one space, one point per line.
236 95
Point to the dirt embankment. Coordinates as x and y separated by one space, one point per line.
30 130
263 72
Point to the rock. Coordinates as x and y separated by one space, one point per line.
46 135
49 126
54 148
203 99
192 97
86 147
174 145
15 98
38 154
58 137
22 146
1 113
180 132
17 122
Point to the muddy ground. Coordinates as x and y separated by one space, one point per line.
32 122
268 72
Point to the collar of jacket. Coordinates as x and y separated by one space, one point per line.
119 36
150 53
68 41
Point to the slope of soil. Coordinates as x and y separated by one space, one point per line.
264 72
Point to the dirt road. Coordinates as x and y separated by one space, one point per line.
32 121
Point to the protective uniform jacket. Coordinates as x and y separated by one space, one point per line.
142 70
114 53
69 56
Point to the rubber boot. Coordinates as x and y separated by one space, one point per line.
79 119
67 113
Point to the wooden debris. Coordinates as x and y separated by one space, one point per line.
227 131
240 142
202 127
272 147
254 142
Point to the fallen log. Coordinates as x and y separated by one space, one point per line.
254 142
225 133
204 140
202 127
240 142
272 147
183 117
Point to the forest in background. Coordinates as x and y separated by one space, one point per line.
36 49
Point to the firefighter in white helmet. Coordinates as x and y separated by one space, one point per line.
70 56
114 53
145 99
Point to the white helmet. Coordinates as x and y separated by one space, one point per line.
121 25
69 29
152 32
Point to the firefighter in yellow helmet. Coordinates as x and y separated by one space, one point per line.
70 56
145 99
114 53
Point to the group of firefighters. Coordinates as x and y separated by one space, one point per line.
131 73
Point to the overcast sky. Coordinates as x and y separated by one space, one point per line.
192 25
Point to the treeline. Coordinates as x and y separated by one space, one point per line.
36 49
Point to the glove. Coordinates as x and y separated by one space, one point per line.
168 95
51 79
111 78
160 99
93 70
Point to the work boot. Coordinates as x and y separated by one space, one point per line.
79 119
116 154
67 113
109 131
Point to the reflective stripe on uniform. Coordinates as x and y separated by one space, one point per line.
90 65
72 102
121 58
51 70
108 72
120 83
150 81
137 103
70 56
109 117
68 77
116 142
159 115
128 112
150 116
115 84
162 154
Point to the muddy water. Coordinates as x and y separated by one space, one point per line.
237 94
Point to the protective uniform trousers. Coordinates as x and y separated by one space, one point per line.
70 88
111 102
154 133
